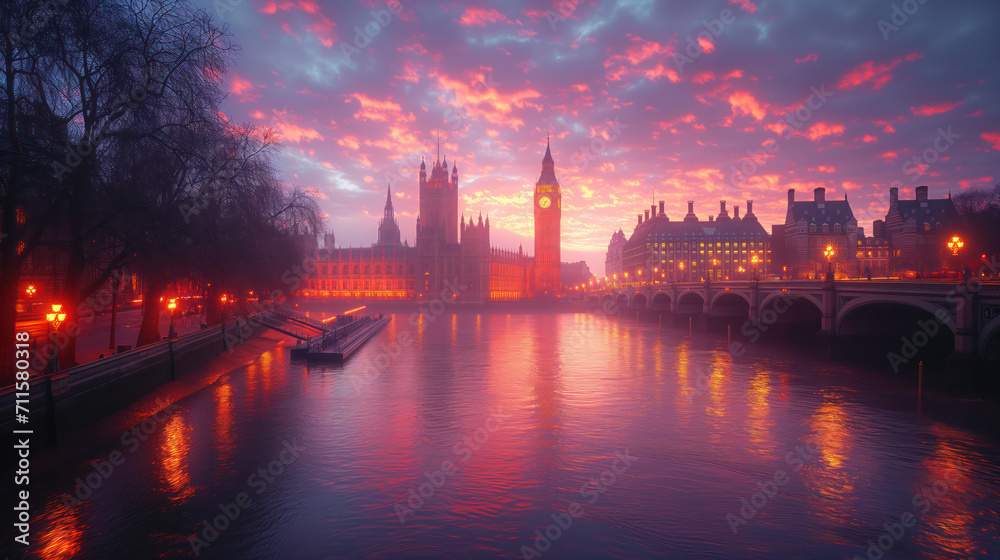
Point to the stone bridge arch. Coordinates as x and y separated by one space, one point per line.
660 301
639 301
858 303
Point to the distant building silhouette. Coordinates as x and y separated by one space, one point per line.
388 227
693 250
918 231
575 274
813 225
452 256
613 263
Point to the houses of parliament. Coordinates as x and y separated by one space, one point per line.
452 257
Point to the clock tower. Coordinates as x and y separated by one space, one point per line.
548 215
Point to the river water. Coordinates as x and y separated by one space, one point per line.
461 435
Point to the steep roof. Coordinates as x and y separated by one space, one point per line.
661 226
832 212
939 209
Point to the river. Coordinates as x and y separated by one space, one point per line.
531 435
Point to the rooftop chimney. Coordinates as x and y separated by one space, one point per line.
662 213
893 197
652 210
736 212
749 208
722 207
640 219
791 196
711 218
922 193
819 195
690 217
647 214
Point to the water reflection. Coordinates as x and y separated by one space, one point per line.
707 428
174 450
63 536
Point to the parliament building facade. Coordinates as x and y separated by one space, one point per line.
452 257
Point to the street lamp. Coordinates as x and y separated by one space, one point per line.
754 259
31 292
172 306
828 253
955 244
55 319
681 264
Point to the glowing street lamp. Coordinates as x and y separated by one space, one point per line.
955 244
31 292
828 253
222 311
172 306
54 320
754 260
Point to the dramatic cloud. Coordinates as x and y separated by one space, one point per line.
643 100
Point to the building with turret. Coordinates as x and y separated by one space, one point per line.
722 247
613 257
452 256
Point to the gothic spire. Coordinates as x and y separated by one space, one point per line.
548 151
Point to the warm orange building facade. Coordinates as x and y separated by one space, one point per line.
452 257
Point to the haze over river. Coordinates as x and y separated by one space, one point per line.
610 439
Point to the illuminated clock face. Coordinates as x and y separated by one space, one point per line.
544 202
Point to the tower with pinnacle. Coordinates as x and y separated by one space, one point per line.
388 227
548 217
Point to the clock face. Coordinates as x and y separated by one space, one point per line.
544 202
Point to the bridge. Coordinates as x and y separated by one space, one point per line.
968 309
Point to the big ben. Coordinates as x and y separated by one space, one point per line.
548 215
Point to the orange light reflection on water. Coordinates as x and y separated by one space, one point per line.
945 496
174 455
62 539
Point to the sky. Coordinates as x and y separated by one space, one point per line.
644 100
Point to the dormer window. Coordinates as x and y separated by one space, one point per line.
836 228
812 228
826 228
927 227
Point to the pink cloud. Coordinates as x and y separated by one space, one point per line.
807 58
294 133
381 111
993 138
822 129
877 74
928 110
706 44
744 103
747 5
476 16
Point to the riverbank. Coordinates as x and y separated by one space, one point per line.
160 402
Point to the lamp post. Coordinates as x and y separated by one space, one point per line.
754 259
955 245
172 306
31 292
828 253
222 312
54 319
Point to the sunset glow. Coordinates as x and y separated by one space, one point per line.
356 112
